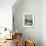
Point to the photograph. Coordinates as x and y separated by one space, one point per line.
28 20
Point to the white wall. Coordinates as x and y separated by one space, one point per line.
38 33
29 6
43 22
6 13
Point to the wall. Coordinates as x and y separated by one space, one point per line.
6 13
43 22
28 6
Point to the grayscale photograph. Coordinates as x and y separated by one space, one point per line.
28 20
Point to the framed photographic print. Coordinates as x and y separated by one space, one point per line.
28 20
